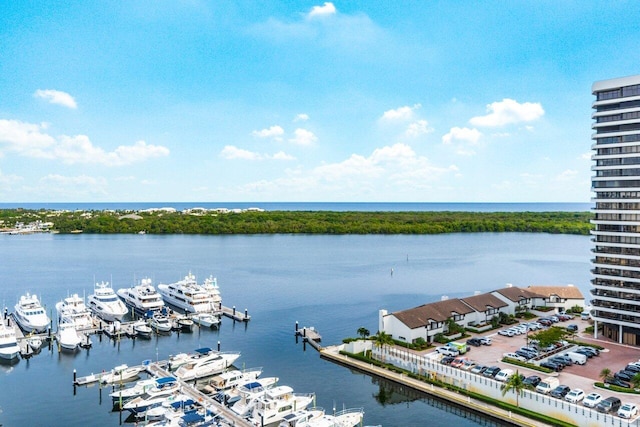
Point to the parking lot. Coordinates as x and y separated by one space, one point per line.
614 357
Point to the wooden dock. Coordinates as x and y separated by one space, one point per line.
235 314
310 335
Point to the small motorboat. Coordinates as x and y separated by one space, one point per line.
142 330
206 320
138 389
120 374
34 342
160 323
185 324
68 336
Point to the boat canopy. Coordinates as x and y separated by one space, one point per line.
203 350
165 380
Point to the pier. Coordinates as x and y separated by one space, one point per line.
234 314
309 335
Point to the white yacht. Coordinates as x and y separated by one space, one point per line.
206 320
162 388
67 336
143 298
230 379
210 285
277 403
105 303
242 400
126 394
73 309
120 374
9 348
187 295
206 364
30 314
160 323
317 417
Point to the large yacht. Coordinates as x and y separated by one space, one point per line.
188 296
72 309
206 363
9 349
105 303
210 285
277 403
30 314
143 298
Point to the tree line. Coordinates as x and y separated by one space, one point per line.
305 222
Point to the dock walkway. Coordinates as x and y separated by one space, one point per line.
235 314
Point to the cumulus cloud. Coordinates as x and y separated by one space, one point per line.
462 134
303 137
56 97
326 9
29 140
402 113
231 152
418 128
272 132
508 111
302 117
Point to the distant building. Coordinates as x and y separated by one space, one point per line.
562 298
616 184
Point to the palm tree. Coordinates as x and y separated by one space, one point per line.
363 332
635 380
605 374
515 383
381 339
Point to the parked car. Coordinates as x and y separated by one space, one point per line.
592 400
574 396
467 365
565 360
572 327
506 332
577 358
617 382
587 353
478 369
532 380
514 356
476 342
527 355
547 385
624 375
592 350
448 351
491 372
560 392
628 410
447 360
458 362
504 375
632 368
551 365
609 405
486 340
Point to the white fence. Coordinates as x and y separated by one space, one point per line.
556 408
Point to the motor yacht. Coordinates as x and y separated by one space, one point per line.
142 330
206 320
105 303
126 394
67 336
207 364
276 403
31 315
9 348
242 400
160 323
317 417
162 388
73 310
230 379
210 285
187 296
143 298
120 374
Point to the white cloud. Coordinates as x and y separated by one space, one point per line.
27 139
418 128
231 152
567 175
402 113
325 10
302 117
272 132
509 111
303 137
56 97
462 134
7 181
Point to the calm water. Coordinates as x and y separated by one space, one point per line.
335 283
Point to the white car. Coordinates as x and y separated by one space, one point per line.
574 396
628 410
485 340
514 356
448 351
592 399
506 332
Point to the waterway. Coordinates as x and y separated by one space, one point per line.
334 283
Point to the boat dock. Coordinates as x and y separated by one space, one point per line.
235 314
157 370
309 335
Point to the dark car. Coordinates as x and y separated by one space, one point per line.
586 352
624 375
560 392
610 405
572 327
532 381
447 360
526 354
491 372
617 382
592 350
565 360
476 342
632 368
551 365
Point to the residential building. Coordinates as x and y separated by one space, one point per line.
616 184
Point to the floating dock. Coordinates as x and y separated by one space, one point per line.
309 335
235 314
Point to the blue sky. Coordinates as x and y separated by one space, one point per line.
425 101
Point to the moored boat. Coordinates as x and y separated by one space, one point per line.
160 323
105 303
126 394
73 310
67 336
206 320
142 330
30 314
276 403
187 296
230 379
9 348
206 364
120 374
242 400
142 298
